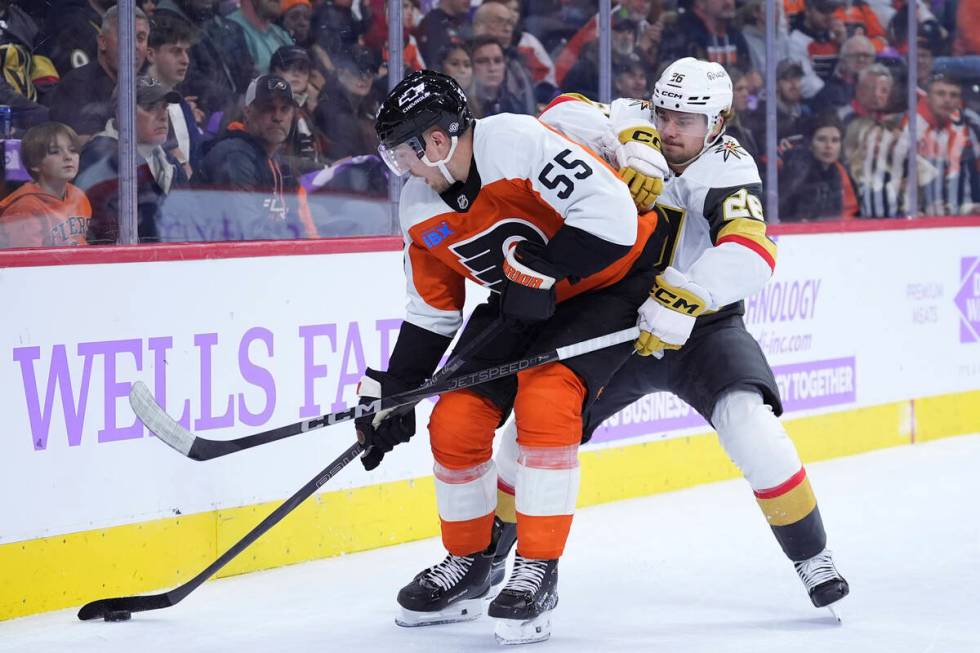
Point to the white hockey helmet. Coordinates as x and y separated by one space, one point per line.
694 86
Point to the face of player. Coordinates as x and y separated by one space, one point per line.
944 100
152 123
170 61
682 134
488 65
270 122
437 146
825 145
60 164
457 65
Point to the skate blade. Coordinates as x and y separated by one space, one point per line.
835 611
467 610
510 632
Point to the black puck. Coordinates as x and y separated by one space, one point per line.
118 615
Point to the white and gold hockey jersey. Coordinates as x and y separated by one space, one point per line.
713 209
526 181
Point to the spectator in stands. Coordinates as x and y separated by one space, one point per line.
491 93
336 29
263 36
346 108
858 17
455 61
630 81
376 37
81 99
791 111
856 54
736 126
814 40
584 76
27 76
708 32
967 38
157 173
296 19
444 24
536 59
496 20
48 211
304 147
871 95
73 30
168 60
261 197
221 65
949 144
813 183
751 19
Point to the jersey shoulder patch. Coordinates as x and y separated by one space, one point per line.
723 165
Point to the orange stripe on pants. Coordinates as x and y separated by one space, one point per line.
461 436
548 410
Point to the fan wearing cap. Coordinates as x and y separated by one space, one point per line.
158 173
791 111
305 145
296 20
262 198
347 106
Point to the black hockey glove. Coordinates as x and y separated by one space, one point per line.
528 294
379 433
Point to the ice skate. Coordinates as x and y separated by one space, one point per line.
823 582
505 534
523 608
453 590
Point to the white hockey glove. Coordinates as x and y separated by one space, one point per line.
667 316
641 163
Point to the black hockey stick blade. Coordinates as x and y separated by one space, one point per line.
197 448
106 607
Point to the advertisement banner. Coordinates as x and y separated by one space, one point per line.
233 346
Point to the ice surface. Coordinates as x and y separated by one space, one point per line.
695 571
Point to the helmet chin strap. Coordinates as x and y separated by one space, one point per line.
441 164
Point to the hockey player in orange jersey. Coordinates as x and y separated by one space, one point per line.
550 229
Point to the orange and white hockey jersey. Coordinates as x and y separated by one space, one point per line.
526 181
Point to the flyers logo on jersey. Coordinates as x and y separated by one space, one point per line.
483 254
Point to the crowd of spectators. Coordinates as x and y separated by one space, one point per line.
249 110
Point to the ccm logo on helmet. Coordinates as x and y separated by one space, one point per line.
671 94
675 301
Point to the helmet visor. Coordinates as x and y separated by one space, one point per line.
399 158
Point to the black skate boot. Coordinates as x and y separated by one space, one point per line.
823 582
504 536
453 590
523 608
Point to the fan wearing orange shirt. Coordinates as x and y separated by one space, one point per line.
552 231
48 211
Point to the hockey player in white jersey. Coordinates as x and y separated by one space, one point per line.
693 341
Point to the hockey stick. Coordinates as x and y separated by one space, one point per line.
193 446
120 608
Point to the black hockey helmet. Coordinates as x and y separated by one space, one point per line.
422 100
